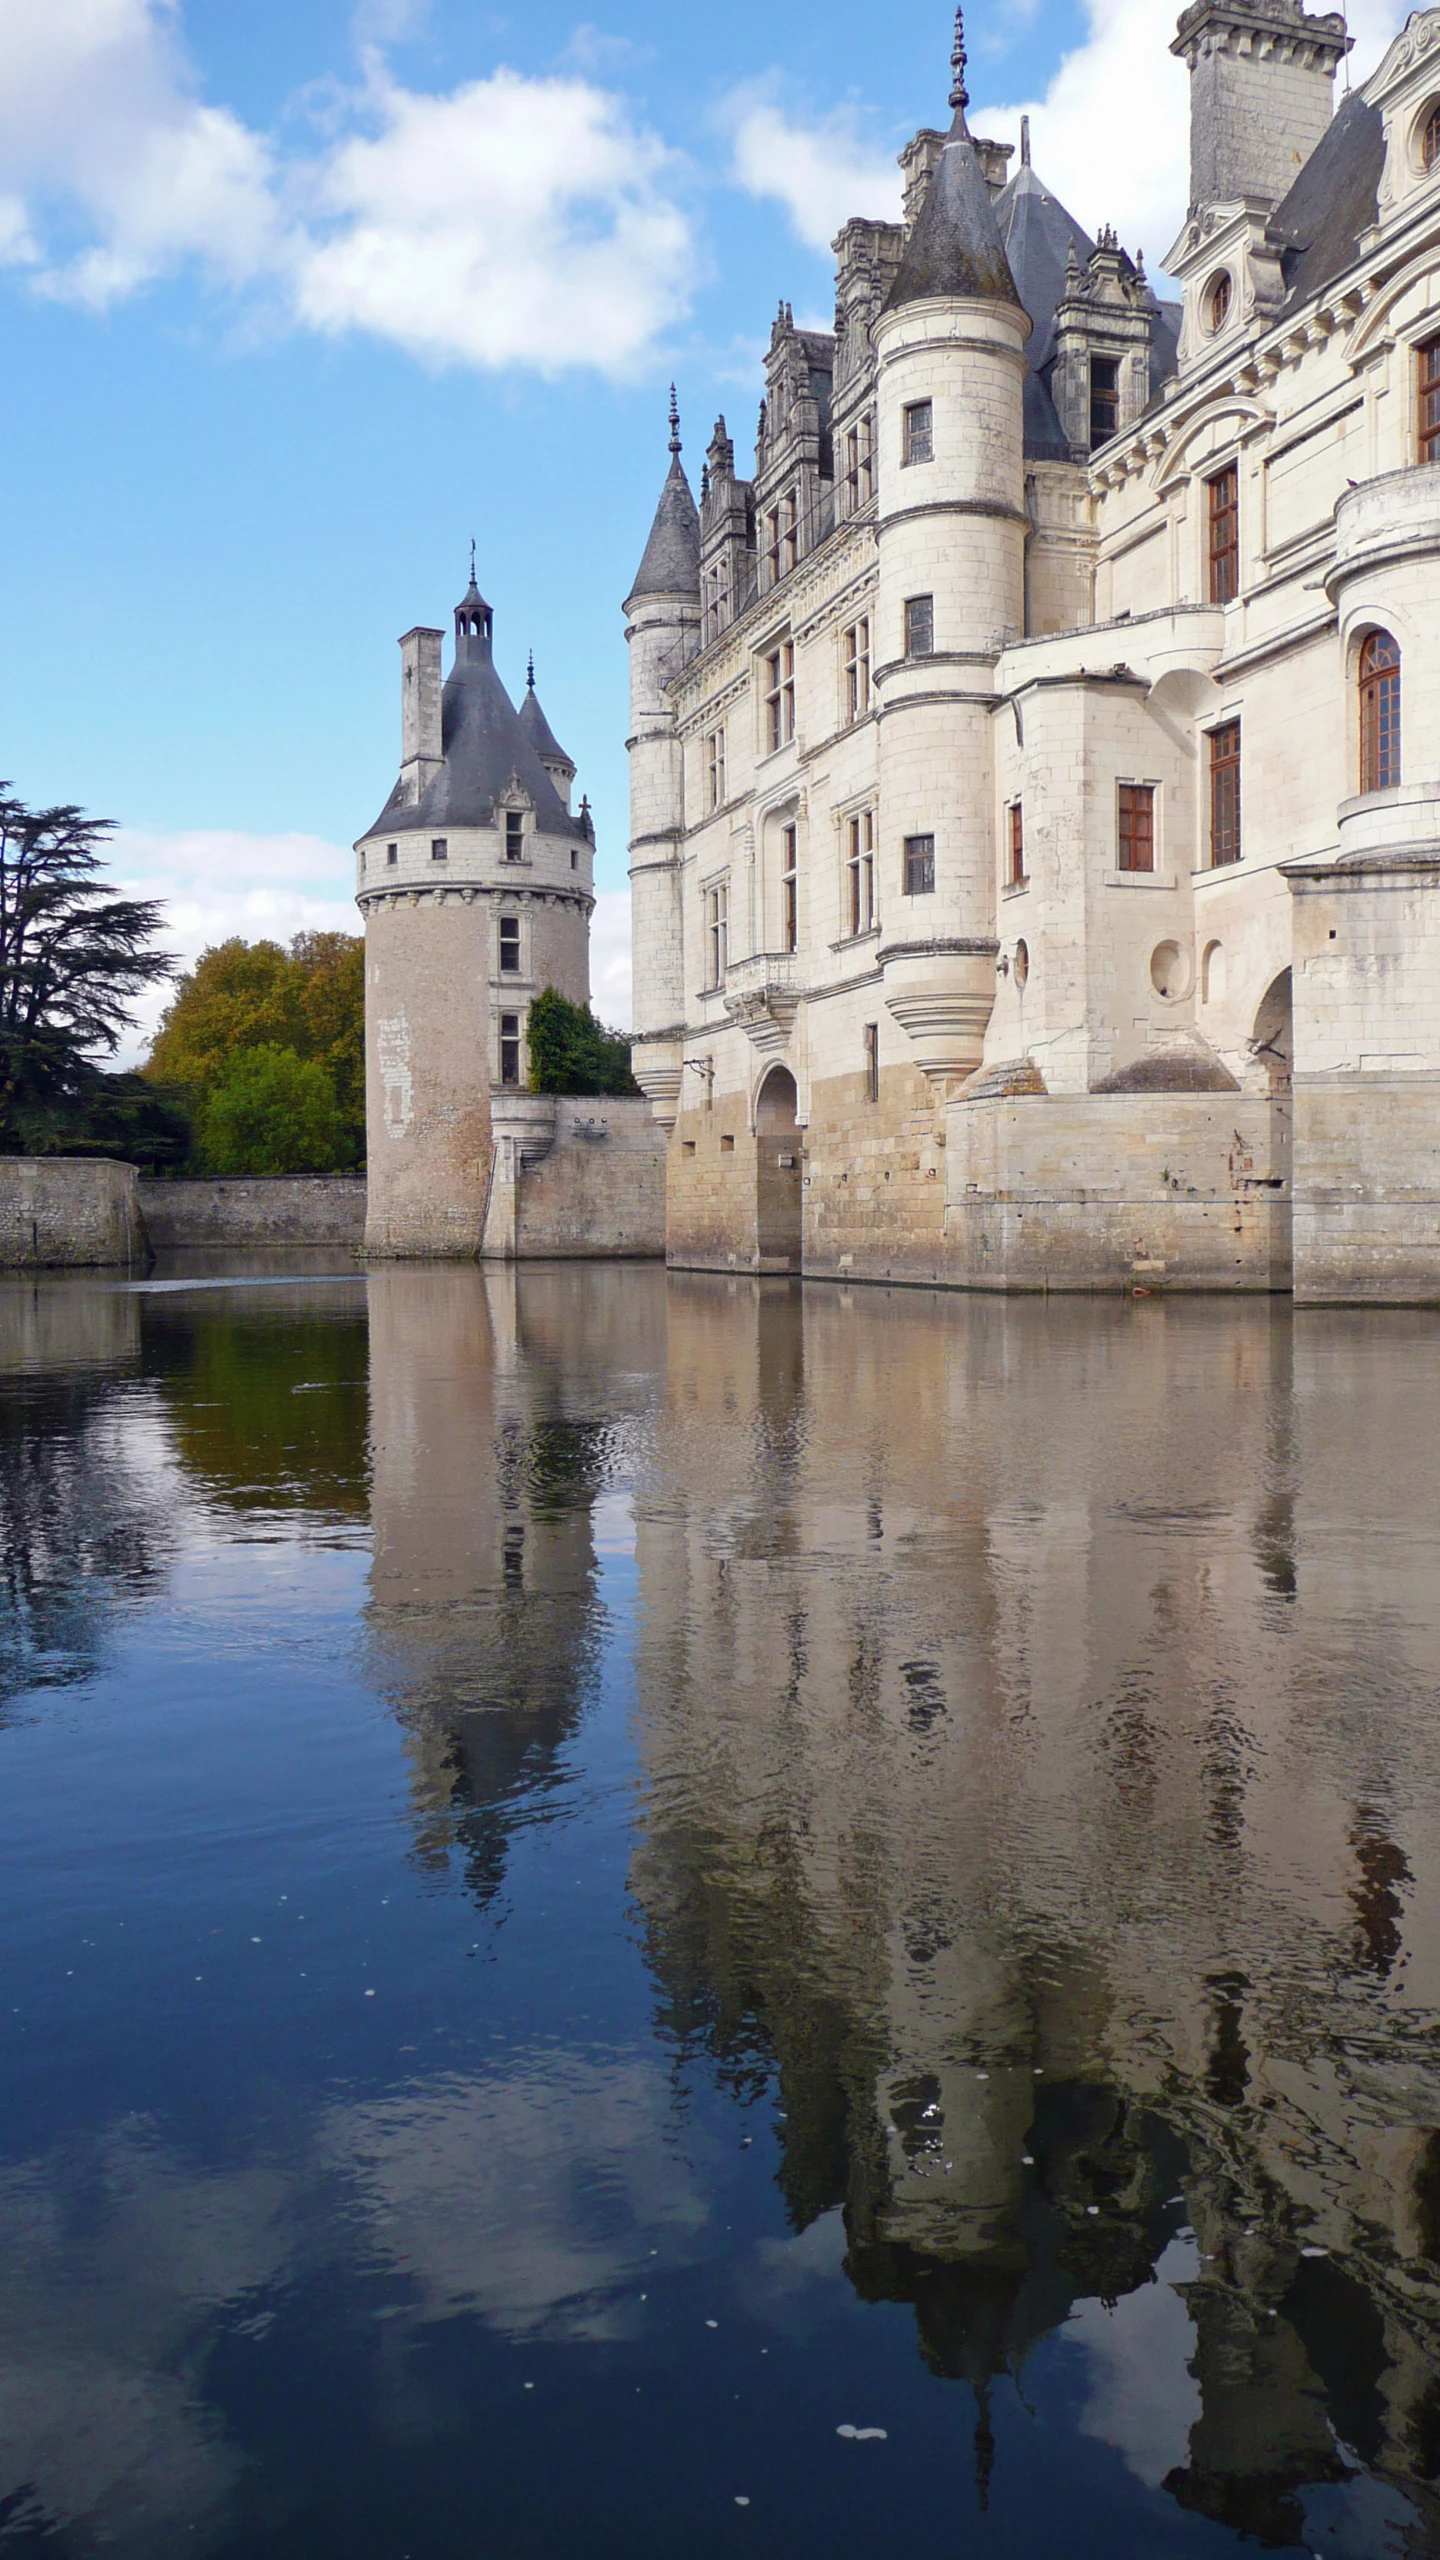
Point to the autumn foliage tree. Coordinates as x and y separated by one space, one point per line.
301 1008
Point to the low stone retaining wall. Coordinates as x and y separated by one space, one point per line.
286 1209
575 1180
69 1213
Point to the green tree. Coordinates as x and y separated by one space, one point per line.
570 1052
73 958
245 996
269 1111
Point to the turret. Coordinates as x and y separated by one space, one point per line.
663 618
951 524
557 764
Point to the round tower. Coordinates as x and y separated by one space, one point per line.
663 632
476 884
951 526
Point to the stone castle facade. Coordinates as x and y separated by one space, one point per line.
1036 763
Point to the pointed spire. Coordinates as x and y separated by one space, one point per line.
959 94
671 565
1024 142
472 559
530 674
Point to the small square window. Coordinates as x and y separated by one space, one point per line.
919 432
392 853
919 626
439 848
687 1146
919 866
727 1146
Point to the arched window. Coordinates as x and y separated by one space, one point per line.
1430 140
1379 713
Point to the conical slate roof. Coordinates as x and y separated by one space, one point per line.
671 566
1037 235
485 746
538 730
955 247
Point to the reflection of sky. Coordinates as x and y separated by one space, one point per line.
1142 2396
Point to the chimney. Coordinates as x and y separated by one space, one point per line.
420 754
994 159
1262 92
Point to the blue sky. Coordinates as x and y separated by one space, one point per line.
298 295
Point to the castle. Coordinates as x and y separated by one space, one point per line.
1036 764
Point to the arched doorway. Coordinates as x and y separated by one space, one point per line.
1272 1043
778 1173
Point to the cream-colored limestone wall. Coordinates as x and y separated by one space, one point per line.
875 1174
427 1076
1117 1191
662 635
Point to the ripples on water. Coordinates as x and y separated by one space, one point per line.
647 1915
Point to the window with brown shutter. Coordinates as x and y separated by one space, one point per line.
1017 843
1429 356
1225 534
1137 826
1225 794
1379 713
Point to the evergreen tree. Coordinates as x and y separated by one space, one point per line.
570 1052
73 958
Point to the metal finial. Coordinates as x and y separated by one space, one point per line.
530 677
674 421
1024 142
959 94
472 559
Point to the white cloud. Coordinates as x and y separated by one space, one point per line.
1112 131
215 883
610 958
515 221
512 221
823 173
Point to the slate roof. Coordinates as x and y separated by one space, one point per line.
1334 199
1037 234
486 746
671 566
538 730
955 247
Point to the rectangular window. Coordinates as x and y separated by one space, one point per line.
1017 843
919 626
510 1048
872 1061
1225 534
859 465
715 768
510 946
919 866
860 873
717 934
1429 380
1137 826
574 859
789 533
514 835
789 888
440 849
857 669
1225 794
392 853
772 544
918 437
1104 399
780 696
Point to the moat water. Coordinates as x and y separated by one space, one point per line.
652 1916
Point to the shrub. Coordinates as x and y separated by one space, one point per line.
570 1052
269 1111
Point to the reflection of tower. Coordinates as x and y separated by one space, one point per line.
487 1465
476 885
1049 1841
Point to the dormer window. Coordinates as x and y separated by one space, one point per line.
1217 303
514 835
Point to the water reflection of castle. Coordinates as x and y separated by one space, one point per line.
1044 1692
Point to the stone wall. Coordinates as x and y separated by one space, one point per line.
575 1178
289 1210
1118 1191
67 1212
